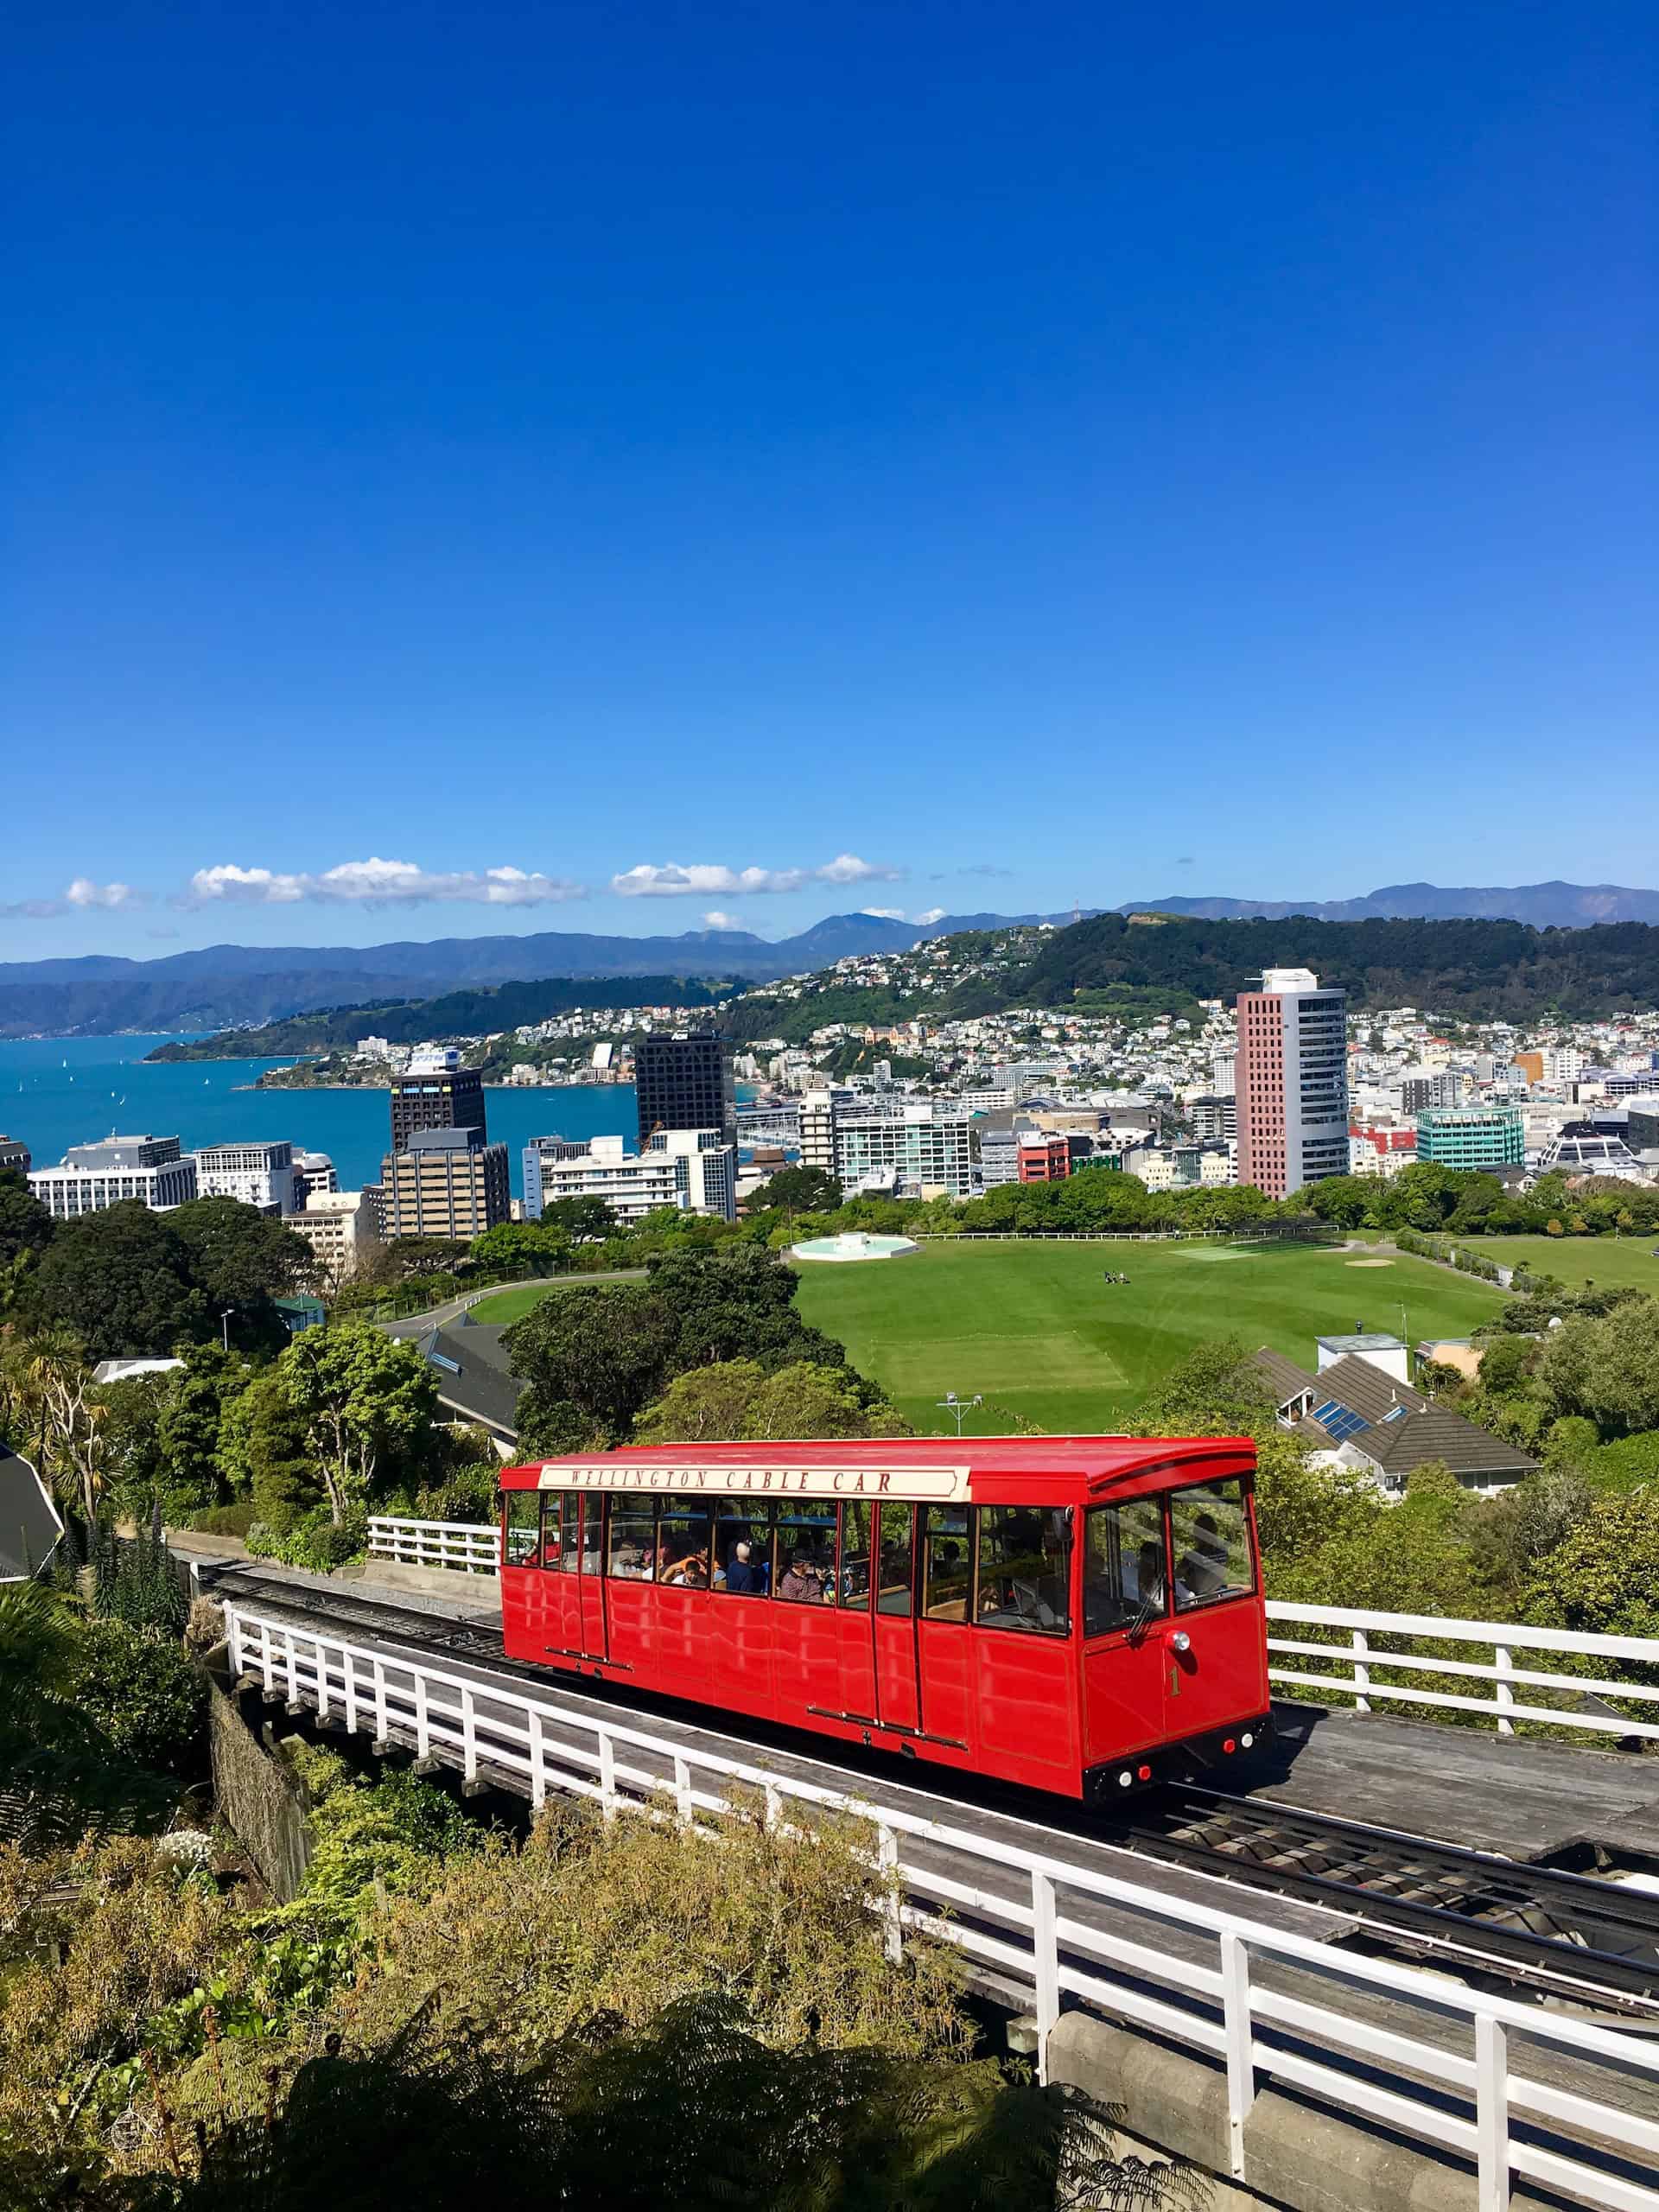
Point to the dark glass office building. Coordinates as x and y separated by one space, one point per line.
685 1083
436 1098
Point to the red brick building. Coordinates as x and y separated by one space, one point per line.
1044 1159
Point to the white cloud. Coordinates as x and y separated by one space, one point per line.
929 914
83 892
680 880
714 919
377 883
82 896
887 913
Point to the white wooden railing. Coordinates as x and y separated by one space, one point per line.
1365 1673
459 1544
1501 2120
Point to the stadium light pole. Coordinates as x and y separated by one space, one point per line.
950 1403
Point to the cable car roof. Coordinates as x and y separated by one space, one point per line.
1062 1469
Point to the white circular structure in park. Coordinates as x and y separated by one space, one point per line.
854 1244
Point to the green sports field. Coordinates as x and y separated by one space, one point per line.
1609 1262
1035 1327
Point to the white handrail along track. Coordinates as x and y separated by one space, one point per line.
1496 2116
462 1545
1360 1663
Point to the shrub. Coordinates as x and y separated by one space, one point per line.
314 1542
147 1695
226 1520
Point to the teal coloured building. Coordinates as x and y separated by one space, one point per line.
1471 1136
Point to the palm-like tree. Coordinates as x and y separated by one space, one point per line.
68 1419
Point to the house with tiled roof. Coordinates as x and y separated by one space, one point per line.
1361 1415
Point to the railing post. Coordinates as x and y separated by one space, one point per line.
1491 2113
422 1730
1046 1960
291 1649
322 1659
682 1789
1362 1672
537 1764
348 1666
887 1858
608 1798
774 1811
267 1657
233 1640
1241 2042
469 1735
382 1741
1505 1693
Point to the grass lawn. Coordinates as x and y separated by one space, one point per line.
1035 1327
1610 1262
505 1306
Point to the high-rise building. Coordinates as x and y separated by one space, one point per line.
447 1182
436 1093
1291 1083
689 1169
262 1175
911 1154
342 1228
1471 1137
685 1083
314 1173
93 1176
1420 1093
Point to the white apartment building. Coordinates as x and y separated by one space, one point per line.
689 1169
919 1155
93 1176
261 1175
342 1228
314 1172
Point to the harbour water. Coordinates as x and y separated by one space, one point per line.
56 1091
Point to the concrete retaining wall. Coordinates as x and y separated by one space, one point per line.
1298 2157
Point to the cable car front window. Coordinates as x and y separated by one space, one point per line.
1211 1533
522 1510
1125 1569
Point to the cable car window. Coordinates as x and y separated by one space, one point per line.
684 1543
947 1562
743 1546
566 1554
1025 1564
855 1515
1211 1535
806 1552
593 1533
895 1567
633 1537
522 1509
1124 1567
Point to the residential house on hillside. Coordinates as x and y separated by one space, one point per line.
1365 1418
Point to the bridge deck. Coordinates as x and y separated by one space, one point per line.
1467 1786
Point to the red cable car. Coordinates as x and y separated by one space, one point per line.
1077 1614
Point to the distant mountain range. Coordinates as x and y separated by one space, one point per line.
1545 906
226 986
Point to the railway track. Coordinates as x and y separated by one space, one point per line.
1575 1937
1565 1938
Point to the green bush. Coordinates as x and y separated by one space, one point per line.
146 1694
314 1542
226 1520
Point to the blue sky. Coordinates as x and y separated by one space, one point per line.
914 455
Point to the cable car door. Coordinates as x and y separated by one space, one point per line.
893 1619
590 1582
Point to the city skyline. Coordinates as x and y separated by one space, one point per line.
791 427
